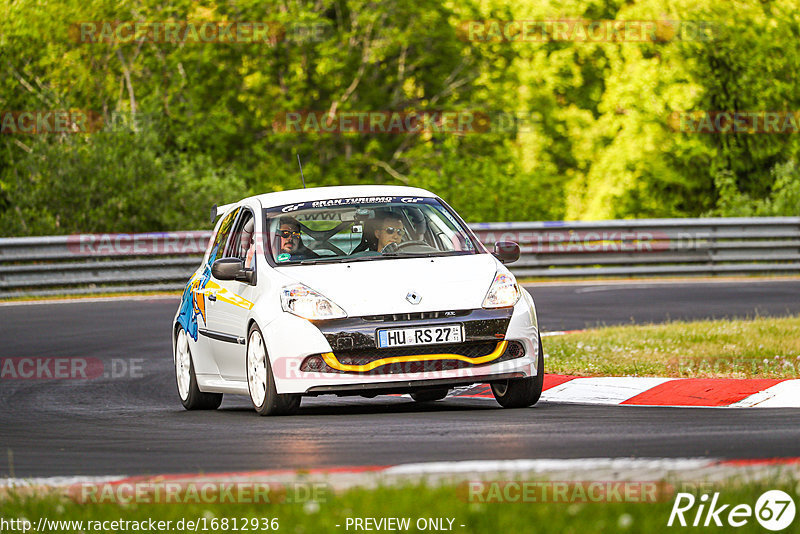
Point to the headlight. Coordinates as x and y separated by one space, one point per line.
503 292
304 302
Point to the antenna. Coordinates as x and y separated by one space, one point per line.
301 171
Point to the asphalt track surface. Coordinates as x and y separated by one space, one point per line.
134 425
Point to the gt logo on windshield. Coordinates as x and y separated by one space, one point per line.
410 200
292 207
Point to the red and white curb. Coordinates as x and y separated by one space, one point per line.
577 469
647 391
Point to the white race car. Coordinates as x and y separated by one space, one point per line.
353 290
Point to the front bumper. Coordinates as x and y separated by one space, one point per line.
414 359
355 333
353 364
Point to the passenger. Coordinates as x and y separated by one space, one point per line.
288 235
419 225
389 231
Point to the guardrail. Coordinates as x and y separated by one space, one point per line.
99 263
652 247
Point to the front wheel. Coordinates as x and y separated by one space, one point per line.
191 396
261 382
521 392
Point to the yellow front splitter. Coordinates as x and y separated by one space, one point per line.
334 363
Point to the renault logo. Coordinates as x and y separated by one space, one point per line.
413 297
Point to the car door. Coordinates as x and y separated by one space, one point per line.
202 292
230 306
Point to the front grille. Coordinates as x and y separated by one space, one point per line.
417 316
315 363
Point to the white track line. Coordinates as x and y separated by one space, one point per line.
549 465
660 282
783 395
57 481
91 300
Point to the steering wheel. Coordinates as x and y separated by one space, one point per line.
394 247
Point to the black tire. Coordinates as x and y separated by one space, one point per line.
273 404
521 392
429 395
195 399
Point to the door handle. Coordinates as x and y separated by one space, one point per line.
212 297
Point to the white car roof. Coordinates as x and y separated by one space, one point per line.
343 191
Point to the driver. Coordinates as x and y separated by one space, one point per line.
289 242
390 230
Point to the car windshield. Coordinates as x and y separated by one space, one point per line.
363 229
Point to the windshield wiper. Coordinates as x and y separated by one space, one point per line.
339 259
320 260
361 258
346 259
438 254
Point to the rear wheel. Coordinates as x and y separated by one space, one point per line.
521 392
191 396
261 382
429 395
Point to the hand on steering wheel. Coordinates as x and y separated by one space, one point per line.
392 248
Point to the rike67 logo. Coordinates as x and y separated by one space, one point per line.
774 510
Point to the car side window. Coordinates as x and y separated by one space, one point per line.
242 242
221 238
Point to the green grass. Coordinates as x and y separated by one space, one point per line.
757 348
417 501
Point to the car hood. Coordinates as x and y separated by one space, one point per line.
379 287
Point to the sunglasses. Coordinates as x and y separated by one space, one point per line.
286 234
390 230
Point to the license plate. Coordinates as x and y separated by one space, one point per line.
420 335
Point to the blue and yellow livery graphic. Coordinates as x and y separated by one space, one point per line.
193 303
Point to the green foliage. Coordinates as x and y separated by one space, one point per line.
113 180
785 196
783 200
598 141
607 136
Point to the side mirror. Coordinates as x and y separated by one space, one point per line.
247 276
506 251
231 269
